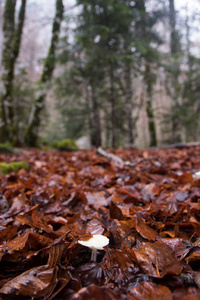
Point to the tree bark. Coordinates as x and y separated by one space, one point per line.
12 41
96 125
174 41
175 86
128 102
7 72
113 113
149 108
11 47
148 79
31 134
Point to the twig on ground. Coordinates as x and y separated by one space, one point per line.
117 160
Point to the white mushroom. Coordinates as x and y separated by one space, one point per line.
95 242
196 175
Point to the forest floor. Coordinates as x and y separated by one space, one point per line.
149 208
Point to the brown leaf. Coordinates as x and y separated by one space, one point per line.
97 199
95 292
157 259
76 200
149 291
145 231
185 178
94 226
115 212
36 282
24 242
18 204
8 233
56 252
189 294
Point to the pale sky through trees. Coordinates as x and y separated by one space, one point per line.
41 12
178 3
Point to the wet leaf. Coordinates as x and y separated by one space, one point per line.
149 291
97 199
157 259
39 281
145 231
95 292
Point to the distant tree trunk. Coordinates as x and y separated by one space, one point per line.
113 108
149 108
1 27
128 102
188 43
31 134
95 120
175 86
174 40
142 27
11 47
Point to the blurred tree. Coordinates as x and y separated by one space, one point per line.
190 109
103 46
11 47
23 90
127 61
174 88
93 34
147 42
31 134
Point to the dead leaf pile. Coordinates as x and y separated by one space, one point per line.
149 210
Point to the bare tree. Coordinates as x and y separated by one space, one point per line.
11 45
175 85
31 134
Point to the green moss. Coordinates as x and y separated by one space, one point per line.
6 148
45 148
65 145
6 168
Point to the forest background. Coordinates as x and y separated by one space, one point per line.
119 72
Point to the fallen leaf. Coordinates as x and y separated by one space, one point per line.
37 282
157 259
149 291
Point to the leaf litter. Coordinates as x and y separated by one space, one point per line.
148 209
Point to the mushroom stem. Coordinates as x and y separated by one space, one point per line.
95 242
94 254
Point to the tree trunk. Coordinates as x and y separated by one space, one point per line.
31 134
149 108
174 40
1 29
113 113
7 72
11 47
96 125
142 27
128 103
175 86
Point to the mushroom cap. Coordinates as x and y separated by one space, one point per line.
196 175
97 241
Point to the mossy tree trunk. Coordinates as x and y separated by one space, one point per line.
12 40
31 134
